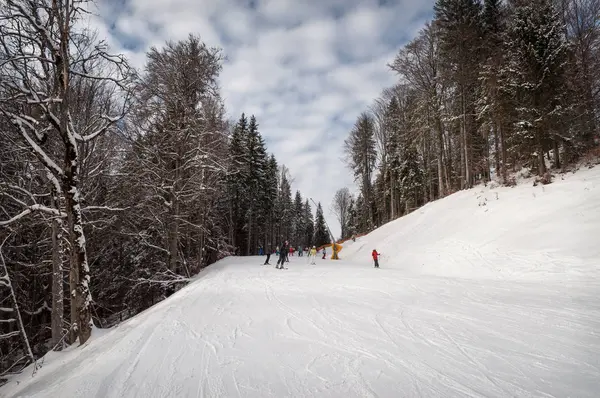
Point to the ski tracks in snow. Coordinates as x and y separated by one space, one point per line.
340 330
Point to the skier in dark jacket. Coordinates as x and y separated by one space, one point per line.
283 253
268 256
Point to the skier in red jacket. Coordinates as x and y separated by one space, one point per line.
375 258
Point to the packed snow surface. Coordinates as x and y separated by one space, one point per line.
491 292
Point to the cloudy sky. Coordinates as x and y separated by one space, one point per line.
305 68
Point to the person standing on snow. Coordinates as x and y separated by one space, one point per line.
283 253
324 253
268 255
375 258
312 255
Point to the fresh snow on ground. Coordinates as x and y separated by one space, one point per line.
487 293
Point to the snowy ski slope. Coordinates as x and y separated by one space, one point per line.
526 232
500 300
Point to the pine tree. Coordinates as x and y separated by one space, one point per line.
284 205
309 225
270 201
460 32
359 219
297 220
411 178
393 159
361 156
537 52
321 234
256 167
381 198
237 178
351 226
492 105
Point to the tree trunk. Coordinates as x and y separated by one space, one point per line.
496 150
461 148
488 173
392 197
57 275
81 300
249 244
174 236
556 154
80 271
440 166
449 166
174 224
73 280
540 154
468 178
201 240
232 224
504 156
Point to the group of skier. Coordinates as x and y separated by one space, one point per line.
285 250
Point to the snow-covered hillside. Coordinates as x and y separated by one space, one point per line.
526 232
498 300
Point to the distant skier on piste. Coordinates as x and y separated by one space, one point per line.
283 253
312 256
375 258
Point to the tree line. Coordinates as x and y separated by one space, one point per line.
485 89
116 185
262 210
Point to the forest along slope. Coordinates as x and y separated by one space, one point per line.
476 300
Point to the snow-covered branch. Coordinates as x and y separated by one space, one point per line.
21 123
103 208
32 209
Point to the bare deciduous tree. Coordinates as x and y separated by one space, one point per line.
179 136
342 201
43 54
13 310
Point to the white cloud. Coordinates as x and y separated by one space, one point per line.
306 69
